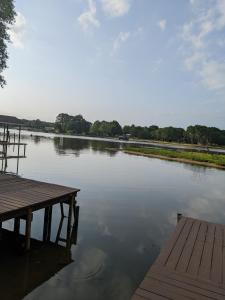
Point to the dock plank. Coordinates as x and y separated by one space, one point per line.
206 261
190 266
18 194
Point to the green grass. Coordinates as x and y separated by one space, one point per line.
216 159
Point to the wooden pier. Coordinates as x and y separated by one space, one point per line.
11 141
190 266
20 197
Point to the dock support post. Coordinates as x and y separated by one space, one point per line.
28 229
0 230
71 202
62 210
45 227
47 224
75 225
76 215
179 216
17 225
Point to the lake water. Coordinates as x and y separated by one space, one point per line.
128 206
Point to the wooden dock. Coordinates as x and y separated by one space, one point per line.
190 266
20 197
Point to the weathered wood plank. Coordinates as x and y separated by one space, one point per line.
18 194
207 285
163 289
148 295
164 254
217 259
187 252
179 246
206 261
197 251
190 266
195 287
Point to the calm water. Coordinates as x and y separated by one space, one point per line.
128 207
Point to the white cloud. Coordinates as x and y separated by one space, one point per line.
192 2
213 75
116 8
123 37
88 18
120 39
162 24
201 53
17 31
193 60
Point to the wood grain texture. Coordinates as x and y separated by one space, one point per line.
19 194
190 266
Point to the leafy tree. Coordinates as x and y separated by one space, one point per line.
7 17
72 124
61 122
94 130
171 134
196 134
204 135
104 128
115 128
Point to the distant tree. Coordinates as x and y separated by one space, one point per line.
204 135
115 129
196 134
61 123
140 132
94 130
72 124
104 128
171 134
7 17
153 129
126 129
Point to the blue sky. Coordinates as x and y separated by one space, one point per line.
137 61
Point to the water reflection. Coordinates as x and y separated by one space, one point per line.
64 145
128 209
21 274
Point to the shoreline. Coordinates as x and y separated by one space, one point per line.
150 143
181 160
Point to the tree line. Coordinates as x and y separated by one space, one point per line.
197 134
27 124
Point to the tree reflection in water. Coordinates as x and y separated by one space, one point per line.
64 145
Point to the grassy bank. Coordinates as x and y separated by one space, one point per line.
205 159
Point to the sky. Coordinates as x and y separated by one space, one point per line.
139 62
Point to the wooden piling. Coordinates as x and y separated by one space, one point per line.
49 223
17 225
0 230
76 215
70 203
75 225
62 210
179 216
45 226
28 229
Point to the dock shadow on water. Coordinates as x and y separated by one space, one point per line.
21 272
